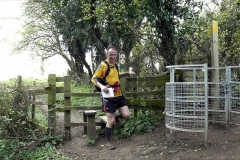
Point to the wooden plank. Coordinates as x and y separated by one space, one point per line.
67 102
35 87
195 58
59 89
38 103
33 108
103 119
51 103
62 109
45 86
69 124
37 91
143 93
157 107
147 81
134 79
39 126
145 102
152 78
85 120
91 127
59 79
93 94
90 112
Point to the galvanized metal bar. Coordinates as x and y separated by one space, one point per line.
172 106
227 95
206 101
185 66
187 102
194 90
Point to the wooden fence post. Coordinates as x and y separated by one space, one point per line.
52 104
214 90
123 80
33 106
122 68
67 102
19 81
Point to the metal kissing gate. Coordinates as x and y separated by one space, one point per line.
206 95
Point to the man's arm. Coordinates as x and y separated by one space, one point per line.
98 74
124 74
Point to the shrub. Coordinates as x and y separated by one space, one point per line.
14 149
137 125
14 104
91 141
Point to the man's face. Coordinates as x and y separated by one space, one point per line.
112 55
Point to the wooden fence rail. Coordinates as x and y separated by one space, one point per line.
138 92
146 93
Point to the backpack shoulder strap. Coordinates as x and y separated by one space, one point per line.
108 69
116 66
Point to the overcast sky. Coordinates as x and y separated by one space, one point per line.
14 65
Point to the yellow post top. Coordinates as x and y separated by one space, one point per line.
214 28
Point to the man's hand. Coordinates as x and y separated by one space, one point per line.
104 89
131 73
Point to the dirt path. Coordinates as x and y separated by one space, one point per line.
222 144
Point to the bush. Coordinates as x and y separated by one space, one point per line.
138 125
91 141
17 138
14 103
14 149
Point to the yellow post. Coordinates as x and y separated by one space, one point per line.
214 77
214 47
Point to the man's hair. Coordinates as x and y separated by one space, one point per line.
111 47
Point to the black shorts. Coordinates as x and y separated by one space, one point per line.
110 105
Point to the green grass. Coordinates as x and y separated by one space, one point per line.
137 125
24 148
13 149
26 82
85 101
39 117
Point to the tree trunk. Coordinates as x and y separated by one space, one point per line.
82 58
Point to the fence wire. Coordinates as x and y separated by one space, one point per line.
185 108
185 103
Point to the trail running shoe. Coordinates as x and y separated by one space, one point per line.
117 124
110 146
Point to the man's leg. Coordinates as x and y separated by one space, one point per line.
119 115
108 129
124 112
117 123
109 125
